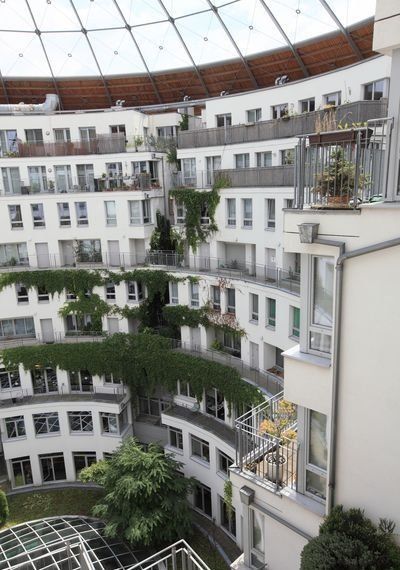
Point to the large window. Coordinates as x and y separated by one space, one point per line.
271 313
175 437
232 344
224 120
85 177
200 448
81 214
46 423
270 219
15 427
247 213
194 295
22 471
10 328
44 380
227 519
215 404
242 160
253 307
53 467
11 180
114 174
316 455
83 459
63 177
13 254
88 251
202 499
64 215
376 90
111 213
81 381
139 212
109 423
231 212
321 318
38 215
38 178
287 156
257 540
15 214
264 159
189 171
9 379
80 421
253 115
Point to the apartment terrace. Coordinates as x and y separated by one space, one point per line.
286 127
269 176
269 458
106 395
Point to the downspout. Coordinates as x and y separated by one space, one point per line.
48 106
337 345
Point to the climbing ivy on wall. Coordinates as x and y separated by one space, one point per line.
142 361
54 280
182 315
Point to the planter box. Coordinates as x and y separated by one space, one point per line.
346 135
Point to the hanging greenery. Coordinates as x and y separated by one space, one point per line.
181 315
142 361
162 238
54 280
228 498
84 305
184 122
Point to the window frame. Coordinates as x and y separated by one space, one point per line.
178 437
254 306
49 420
15 217
270 214
312 327
257 115
83 418
201 454
247 222
230 216
270 315
15 427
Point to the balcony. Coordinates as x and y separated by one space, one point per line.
270 176
21 397
294 126
178 556
269 458
343 168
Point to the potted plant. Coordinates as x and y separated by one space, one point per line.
279 429
137 141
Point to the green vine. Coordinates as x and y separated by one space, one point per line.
228 498
54 280
142 361
83 305
182 315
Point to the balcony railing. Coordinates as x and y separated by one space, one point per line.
22 397
178 556
271 459
294 126
270 176
344 168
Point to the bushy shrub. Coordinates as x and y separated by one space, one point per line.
4 512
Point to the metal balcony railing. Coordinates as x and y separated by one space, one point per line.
292 126
343 168
266 457
112 394
178 556
270 176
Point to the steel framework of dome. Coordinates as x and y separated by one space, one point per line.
205 46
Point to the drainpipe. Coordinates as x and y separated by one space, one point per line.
48 106
337 346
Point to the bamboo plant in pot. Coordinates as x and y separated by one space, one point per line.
279 430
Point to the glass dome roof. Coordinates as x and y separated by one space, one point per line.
72 38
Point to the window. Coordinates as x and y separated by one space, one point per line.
109 423
253 115
80 421
44 380
22 293
34 136
333 99
117 129
231 300
135 290
146 210
287 156
53 467
15 427
43 294
227 519
111 213
85 177
151 406
14 212
289 203
88 251
9 379
316 455
173 293
110 291
110 379
13 254
38 178
216 297
202 499
38 215
63 178
135 216
46 423
223 462
22 471
200 448
224 120
231 212
213 164
184 389
64 215
23 327
264 159
232 344
270 214
114 174
180 213
11 180
271 313
175 438
307 105
247 210
194 294
8 142
376 90
279 111
83 459
257 540
81 381
254 307
87 133
62 135
189 172
215 404
242 160
321 318
295 322
169 131
81 214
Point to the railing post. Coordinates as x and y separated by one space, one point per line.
277 464
173 558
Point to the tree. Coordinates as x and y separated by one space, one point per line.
4 511
349 540
145 498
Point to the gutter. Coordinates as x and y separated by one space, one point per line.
337 346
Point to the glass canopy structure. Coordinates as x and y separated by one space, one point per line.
84 38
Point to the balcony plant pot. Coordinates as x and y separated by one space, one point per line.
285 117
345 135
272 459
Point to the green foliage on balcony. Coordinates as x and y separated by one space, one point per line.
54 280
142 361
182 315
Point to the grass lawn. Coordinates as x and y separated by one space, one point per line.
201 545
31 506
